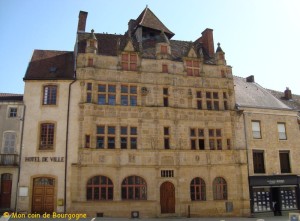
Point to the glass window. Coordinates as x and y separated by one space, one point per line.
197 138
99 188
285 166
13 112
49 96
258 161
128 95
197 189
9 142
46 136
256 130
134 188
220 189
129 61
106 94
281 131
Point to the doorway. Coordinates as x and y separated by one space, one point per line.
43 195
6 184
167 197
276 205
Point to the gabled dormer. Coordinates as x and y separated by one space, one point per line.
91 43
162 47
193 62
129 58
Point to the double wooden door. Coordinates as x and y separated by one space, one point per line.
43 195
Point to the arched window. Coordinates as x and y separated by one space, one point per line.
134 188
220 189
197 189
99 188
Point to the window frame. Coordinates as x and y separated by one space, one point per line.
107 94
193 67
220 189
9 144
285 168
167 138
198 189
258 157
130 63
106 136
48 98
195 136
50 136
131 98
108 187
136 187
255 133
129 136
281 133
12 112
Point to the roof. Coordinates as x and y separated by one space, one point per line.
251 94
149 20
293 103
11 97
48 65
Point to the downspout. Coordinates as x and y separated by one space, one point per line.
20 156
67 141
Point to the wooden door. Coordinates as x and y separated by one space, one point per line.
6 183
43 195
167 197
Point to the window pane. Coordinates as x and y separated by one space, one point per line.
101 99
111 88
124 100
133 130
100 142
110 142
133 143
124 57
111 99
133 90
124 89
111 130
133 100
100 130
123 143
123 130
101 88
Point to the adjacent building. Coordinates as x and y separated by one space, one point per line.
11 121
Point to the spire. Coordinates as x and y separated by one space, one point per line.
219 49
92 43
220 56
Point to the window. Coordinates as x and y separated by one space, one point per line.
49 96
9 142
128 95
164 68
220 189
164 49
212 100
13 112
256 130
166 97
134 188
167 173
197 139
166 138
128 137
228 142
281 131
99 188
129 61
89 88
225 101
192 67
87 141
197 189
215 139
258 161
285 161
47 136
90 62
199 100
105 137
106 94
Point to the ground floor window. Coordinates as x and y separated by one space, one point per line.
134 188
99 188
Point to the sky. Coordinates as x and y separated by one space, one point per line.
259 37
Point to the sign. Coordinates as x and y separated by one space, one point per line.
276 180
44 159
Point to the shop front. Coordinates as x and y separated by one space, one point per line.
274 193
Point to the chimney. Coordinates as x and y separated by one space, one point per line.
250 79
82 21
287 94
208 41
131 25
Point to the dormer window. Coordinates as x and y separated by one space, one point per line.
164 49
192 67
129 61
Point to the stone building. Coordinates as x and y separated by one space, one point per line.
11 118
270 131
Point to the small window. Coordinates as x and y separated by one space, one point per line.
164 68
281 131
166 138
13 111
90 62
256 130
49 95
163 49
47 136
167 173
197 139
9 143
285 161
258 161
87 141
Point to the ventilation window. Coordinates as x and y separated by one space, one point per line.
167 173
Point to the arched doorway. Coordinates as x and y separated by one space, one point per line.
167 197
43 195
5 194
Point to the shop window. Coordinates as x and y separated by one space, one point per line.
262 200
134 188
258 161
281 131
129 61
256 133
197 189
106 94
220 188
197 138
285 166
99 188
47 131
128 95
49 95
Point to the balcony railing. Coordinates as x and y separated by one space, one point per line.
9 159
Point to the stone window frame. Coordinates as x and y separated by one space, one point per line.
166 133
129 135
110 95
89 92
212 100
50 134
192 67
198 189
129 61
106 136
164 68
134 188
130 95
282 135
197 135
220 189
166 97
215 139
50 94
199 99
256 134
97 184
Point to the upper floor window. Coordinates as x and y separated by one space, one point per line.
90 62
47 133
50 95
212 100
285 166
281 131
129 61
225 101
13 111
192 67
197 189
9 143
164 68
166 138
128 137
106 136
197 139
258 161
215 139
199 100
134 188
106 94
89 88
166 97
99 188
220 188
128 95
164 49
256 130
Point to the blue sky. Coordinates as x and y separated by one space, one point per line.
259 37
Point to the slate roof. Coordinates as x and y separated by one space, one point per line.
249 94
11 97
48 65
293 103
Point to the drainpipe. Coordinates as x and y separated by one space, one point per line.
20 156
67 140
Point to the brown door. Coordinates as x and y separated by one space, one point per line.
6 182
43 195
167 197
